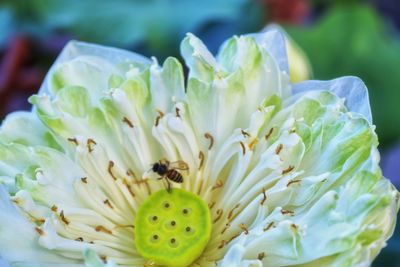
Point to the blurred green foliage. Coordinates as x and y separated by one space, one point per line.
156 24
351 40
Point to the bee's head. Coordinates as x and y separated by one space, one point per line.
156 166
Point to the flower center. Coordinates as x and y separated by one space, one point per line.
172 228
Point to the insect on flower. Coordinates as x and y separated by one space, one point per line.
168 171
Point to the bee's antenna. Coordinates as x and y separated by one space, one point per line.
151 167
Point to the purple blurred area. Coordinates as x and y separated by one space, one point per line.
391 164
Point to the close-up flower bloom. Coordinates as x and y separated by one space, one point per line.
123 162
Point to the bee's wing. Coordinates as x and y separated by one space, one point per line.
179 165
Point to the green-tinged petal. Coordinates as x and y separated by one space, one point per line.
167 84
41 171
25 128
232 85
344 201
85 71
351 89
23 238
201 62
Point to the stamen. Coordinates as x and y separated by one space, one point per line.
16 201
201 158
269 134
278 149
129 187
125 226
127 121
200 186
54 208
293 181
157 121
245 134
244 228
84 180
253 143
287 212
146 182
129 172
223 243
108 203
219 184
80 239
289 169
232 210
39 231
90 143
225 228
104 259
161 114
219 215
63 218
209 136
110 166
101 228
177 112
261 256
73 140
211 205
243 148
271 224
264 197
233 237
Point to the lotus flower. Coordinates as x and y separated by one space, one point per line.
123 162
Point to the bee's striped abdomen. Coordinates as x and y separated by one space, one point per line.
174 176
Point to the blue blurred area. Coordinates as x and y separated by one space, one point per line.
154 26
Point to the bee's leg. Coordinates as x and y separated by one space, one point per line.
169 186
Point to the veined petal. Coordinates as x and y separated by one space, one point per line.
24 238
219 83
352 89
25 128
75 49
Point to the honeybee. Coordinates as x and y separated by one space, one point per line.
168 171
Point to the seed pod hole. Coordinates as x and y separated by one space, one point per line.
186 211
155 238
173 242
189 230
166 205
170 225
153 219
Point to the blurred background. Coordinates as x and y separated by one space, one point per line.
329 38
